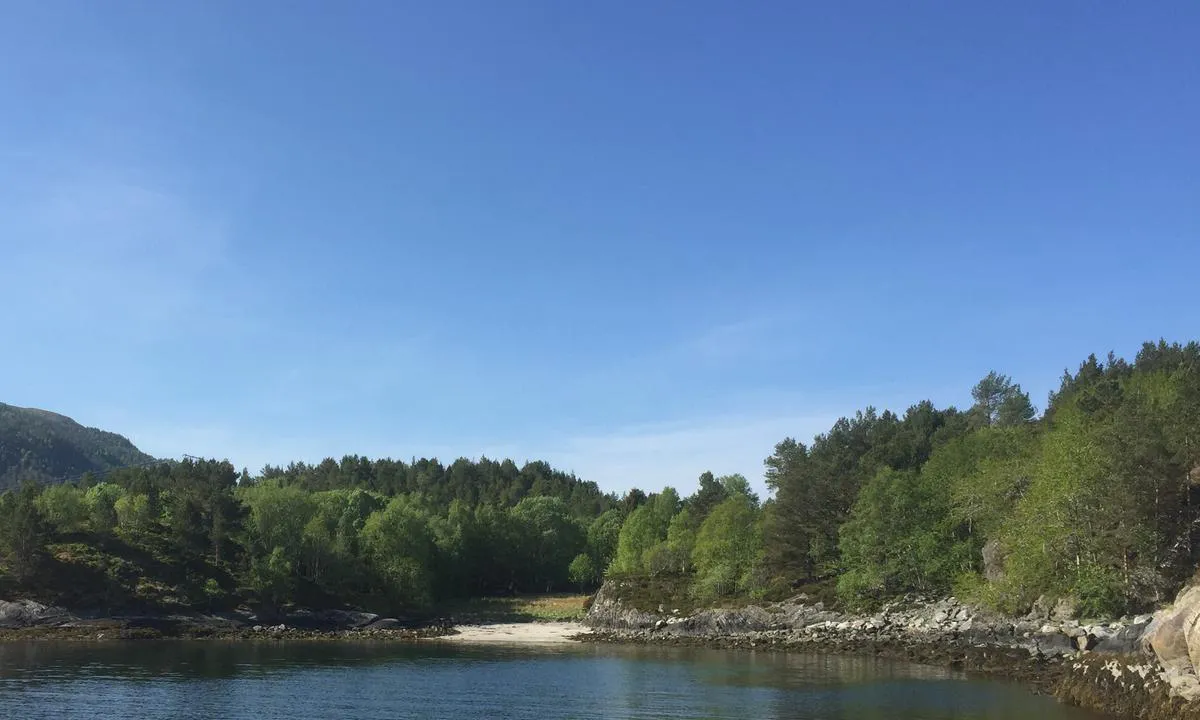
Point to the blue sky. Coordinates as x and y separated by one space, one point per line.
639 240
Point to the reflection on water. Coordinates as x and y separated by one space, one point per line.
197 679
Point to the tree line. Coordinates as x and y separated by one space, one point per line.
383 534
1096 499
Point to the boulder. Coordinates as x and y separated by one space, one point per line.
27 613
385 624
1040 609
1065 609
1175 640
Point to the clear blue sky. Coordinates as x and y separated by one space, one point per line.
637 239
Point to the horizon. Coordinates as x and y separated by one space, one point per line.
638 243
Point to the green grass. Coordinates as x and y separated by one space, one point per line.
521 608
674 592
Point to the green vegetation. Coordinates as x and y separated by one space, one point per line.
522 608
1097 500
382 535
45 447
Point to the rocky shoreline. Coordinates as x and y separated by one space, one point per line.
29 620
1113 667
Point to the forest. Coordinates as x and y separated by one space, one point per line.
1095 499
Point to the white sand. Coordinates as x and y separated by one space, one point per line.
547 633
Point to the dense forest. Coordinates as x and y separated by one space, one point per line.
1097 500
48 447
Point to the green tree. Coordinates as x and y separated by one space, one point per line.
400 545
23 532
645 528
134 514
550 539
582 571
901 538
602 536
727 549
101 500
1000 401
64 508
709 493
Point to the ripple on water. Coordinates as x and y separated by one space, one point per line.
301 681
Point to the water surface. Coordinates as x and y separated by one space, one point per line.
199 680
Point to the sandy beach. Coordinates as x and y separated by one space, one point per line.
533 633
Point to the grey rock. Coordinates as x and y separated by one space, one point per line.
27 613
385 624
1065 609
993 561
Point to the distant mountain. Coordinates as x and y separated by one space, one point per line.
48 447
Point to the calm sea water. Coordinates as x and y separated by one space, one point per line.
297 681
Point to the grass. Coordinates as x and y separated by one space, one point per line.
520 608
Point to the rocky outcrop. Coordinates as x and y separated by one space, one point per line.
1141 666
26 618
948 623
27 613
1174 639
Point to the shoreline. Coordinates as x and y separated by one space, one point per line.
1110 667
522 633
1103 668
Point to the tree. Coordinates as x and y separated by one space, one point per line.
582 571
23 532
737 484
400 545
1077 528
999 401
708 495
727 549
101 501
64 508
645 528
550 537
603 535
901 538
134 514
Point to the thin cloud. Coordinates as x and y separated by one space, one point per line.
730 341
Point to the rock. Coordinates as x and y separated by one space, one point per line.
993 561
1125 641
1054 645
1074 631
27 613
609 612
1065 609
385 624
1041 608
1175 641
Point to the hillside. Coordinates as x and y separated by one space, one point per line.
48 447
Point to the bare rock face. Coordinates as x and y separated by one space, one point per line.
1174 638
608 611
993 561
